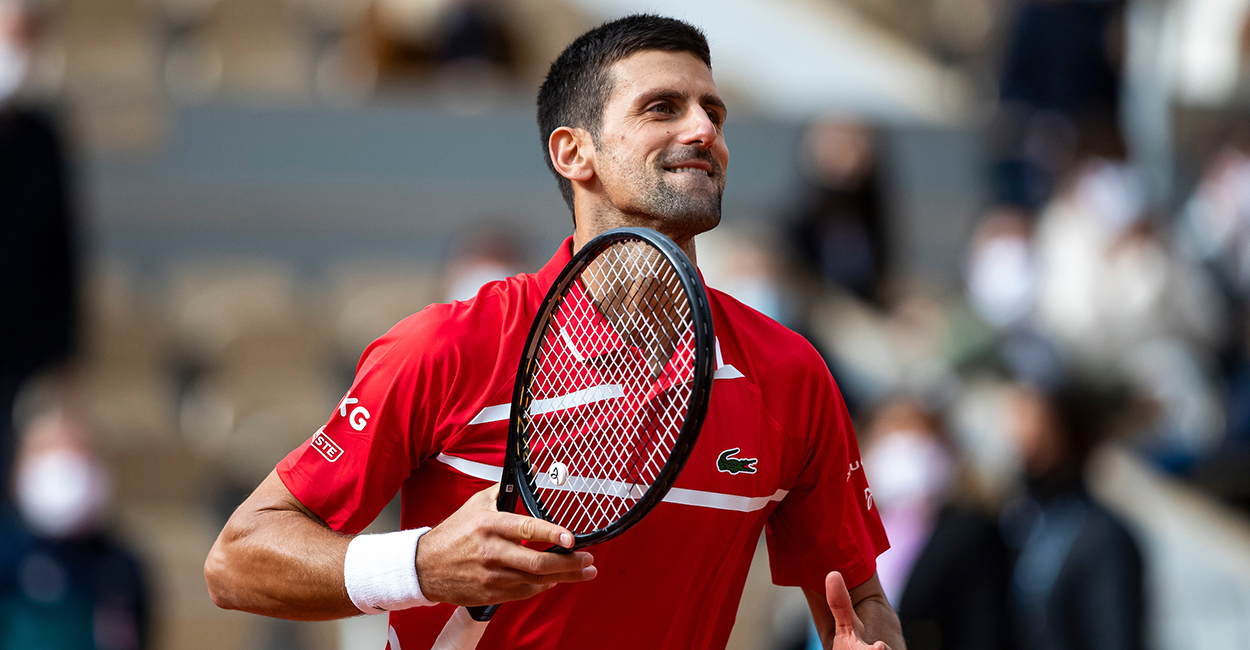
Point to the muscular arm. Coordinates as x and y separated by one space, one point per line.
871 618
275 557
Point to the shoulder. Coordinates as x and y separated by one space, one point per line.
773 350
477 325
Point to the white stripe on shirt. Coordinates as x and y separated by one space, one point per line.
682 496
540 406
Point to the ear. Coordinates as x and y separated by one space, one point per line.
572 153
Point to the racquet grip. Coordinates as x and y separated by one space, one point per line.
483 613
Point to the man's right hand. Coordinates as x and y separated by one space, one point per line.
475 556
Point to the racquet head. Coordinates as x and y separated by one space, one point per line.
612 386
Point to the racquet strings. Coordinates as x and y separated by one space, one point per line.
610 388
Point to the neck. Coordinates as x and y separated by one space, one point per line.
597 222
582 236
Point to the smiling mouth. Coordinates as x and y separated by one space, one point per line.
687 170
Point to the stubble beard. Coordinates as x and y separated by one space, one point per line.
683 212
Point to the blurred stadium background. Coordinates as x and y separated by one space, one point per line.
952 198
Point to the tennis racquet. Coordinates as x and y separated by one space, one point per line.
611 390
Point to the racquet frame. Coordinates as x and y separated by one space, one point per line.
518 476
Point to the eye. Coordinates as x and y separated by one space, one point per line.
661 107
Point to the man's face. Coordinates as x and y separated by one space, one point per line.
660 154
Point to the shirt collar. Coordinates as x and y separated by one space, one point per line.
547 274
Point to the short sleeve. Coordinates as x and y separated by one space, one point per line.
827 521
355 464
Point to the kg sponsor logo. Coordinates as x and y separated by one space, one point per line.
359 416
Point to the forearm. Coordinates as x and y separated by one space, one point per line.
277 558
880 622
277 561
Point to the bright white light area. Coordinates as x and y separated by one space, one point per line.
802 58
1208 35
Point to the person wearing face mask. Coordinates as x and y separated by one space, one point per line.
946 567
38 274
64 582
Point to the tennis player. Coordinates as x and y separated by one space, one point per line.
631 124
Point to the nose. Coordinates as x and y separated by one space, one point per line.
699 129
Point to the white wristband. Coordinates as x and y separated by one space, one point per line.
381 571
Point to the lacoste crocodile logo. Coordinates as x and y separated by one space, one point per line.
727 463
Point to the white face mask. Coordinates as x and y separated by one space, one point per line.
61 492
1112 193
1002 280
14 63
908 469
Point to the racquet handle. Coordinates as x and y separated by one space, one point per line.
468 624
482 613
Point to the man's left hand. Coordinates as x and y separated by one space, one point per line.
849 630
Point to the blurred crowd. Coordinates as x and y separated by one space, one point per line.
1090 313
124 64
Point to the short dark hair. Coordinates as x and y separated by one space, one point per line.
1088 412
578 84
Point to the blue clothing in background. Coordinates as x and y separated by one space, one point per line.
74 594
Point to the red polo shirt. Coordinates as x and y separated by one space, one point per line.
427 417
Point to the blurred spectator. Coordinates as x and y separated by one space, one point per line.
1214 225
1227 472
483 255
64 583
913 347
1076 580
472 31
1108 281
1002 269
1003 284
1061 77
1238 401
838 226
460 36
743 262
1213 230
946 567
1116 297
747 262
38 275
